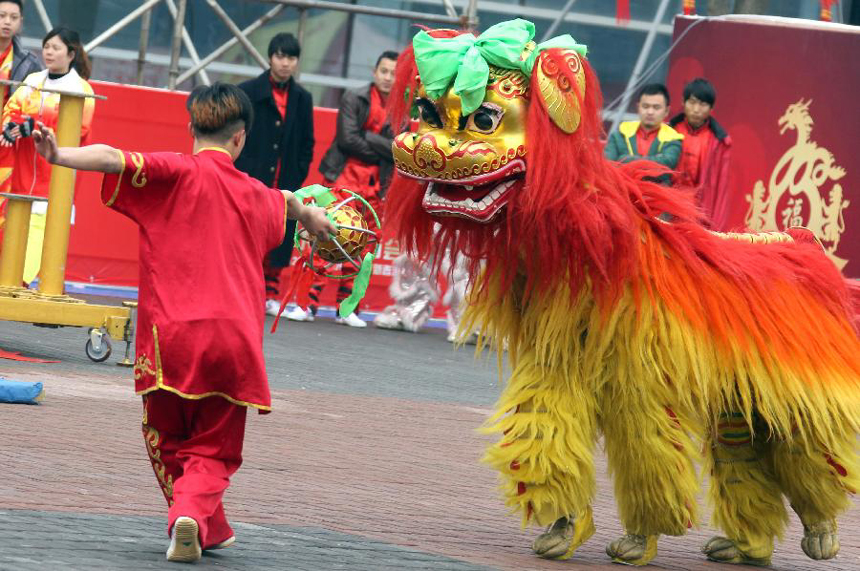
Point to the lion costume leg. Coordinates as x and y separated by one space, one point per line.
817 482
746 499
546 455
651 459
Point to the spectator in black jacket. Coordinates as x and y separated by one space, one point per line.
280 144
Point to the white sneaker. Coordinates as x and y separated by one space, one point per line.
299 314
224 544
470 339
352 320
184 542
272 307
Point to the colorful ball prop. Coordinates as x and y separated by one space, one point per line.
355 244
351 239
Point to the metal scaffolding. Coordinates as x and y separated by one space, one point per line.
458 13
467 19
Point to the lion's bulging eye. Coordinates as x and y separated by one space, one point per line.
485 119
428 113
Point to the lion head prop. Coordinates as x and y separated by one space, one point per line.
506 156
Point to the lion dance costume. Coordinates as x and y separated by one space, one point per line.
654 334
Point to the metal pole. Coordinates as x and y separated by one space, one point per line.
230 43
471 15
303 22
249 47
372 10
347 53
178 24
640 63
16 230
561 16
43 15
449 8
145 22
110 32
189 45
58 221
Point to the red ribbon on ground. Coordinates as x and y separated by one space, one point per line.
300 280
15 356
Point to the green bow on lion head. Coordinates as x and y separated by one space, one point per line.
465 61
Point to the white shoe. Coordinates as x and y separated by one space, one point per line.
224 544
470 339
299 314
352 320
272 307
184 542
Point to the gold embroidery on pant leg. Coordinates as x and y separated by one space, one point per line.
153 438
143 367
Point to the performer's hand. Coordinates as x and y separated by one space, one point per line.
46 142
314 219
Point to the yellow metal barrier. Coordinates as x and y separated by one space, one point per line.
50 306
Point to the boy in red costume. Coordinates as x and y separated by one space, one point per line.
199 350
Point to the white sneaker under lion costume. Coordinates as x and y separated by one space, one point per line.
650 333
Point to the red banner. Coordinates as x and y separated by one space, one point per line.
787 94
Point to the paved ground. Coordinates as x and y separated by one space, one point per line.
370 461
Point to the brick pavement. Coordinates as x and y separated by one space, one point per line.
370 461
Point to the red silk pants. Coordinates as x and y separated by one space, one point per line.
194 446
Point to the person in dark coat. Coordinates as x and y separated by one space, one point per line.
21 61
354 140
280 145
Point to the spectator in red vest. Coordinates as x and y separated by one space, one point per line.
280 145
705 151
359 160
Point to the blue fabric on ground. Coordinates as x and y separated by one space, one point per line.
19 392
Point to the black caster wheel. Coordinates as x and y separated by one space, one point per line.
102 353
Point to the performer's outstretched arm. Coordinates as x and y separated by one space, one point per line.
101 158
106 159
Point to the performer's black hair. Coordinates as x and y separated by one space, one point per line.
388 54
219 111
701 89
72 41
284 44
654 89
19 3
